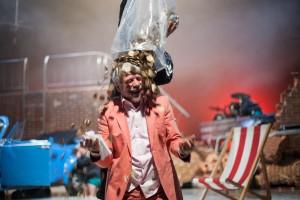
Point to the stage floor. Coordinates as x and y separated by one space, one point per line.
194 194
59 193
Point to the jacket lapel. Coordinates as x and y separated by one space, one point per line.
151 120
123 124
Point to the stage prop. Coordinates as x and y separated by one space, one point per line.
144 26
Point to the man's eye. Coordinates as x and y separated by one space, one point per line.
129 81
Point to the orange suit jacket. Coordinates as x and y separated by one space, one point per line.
164 139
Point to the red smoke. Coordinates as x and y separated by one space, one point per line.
197 98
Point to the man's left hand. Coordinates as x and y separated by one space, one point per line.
186 147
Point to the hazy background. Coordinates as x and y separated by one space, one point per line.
220 47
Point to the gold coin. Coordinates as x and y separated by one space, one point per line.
150 58
131 53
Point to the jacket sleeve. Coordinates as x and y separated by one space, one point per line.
102 126
174 137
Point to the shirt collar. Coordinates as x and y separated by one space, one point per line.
127 105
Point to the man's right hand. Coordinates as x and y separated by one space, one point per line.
91 144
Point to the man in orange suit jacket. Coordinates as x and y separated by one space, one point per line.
139 127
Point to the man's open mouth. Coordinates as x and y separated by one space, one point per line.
135 93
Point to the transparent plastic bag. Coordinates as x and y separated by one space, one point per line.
144 26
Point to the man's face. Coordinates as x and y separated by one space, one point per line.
130 87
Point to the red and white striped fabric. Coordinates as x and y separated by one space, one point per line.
246 143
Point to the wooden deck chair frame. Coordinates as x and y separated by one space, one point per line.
259 158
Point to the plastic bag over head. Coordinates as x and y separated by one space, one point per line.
144 26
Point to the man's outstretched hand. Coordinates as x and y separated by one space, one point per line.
91 144
186 147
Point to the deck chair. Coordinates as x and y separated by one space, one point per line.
245 153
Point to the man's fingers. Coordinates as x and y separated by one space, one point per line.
187 145
90 144
96 145
192 140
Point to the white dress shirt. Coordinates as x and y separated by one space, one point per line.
143 172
